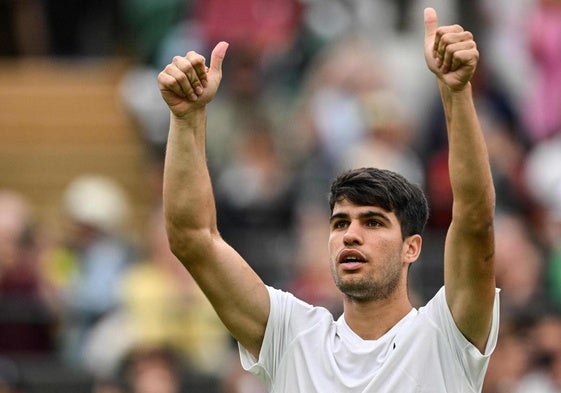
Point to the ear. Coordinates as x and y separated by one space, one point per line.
412 248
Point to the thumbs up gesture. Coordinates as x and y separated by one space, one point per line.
187 84
450 52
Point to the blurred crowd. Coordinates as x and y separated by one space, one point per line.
311 87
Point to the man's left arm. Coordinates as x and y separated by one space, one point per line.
452 55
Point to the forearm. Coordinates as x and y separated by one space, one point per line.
187 191
470 173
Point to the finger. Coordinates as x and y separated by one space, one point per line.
453 43
431 24
167 80
179 70
217 56
464 57
193 65
445 36
168 83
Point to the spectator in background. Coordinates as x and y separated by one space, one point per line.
511 359
237 380
387 143
159 369
519 267
328 116
268 28
542 177
27 307
88 265
164 306
542 110
506 36
545 354
152 370
254 197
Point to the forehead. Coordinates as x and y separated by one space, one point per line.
344 207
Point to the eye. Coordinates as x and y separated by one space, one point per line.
374 223
340 224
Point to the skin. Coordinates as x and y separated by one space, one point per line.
375 291
376 287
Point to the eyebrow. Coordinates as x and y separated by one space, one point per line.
362 216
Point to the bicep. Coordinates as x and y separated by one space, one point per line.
235 291
470 280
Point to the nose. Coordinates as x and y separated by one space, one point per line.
352 235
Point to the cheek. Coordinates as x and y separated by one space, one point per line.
387 249
333 245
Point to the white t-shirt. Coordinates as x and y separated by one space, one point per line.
305 351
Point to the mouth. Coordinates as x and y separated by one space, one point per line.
350 259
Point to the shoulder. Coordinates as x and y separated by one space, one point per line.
289 309
438 314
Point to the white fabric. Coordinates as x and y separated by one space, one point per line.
306 351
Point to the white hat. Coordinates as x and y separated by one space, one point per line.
98 201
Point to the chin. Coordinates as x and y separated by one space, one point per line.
367 291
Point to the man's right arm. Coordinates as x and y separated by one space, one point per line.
238 295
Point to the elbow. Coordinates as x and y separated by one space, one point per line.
178 246
476 216
187 245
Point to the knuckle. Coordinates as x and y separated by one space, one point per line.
450 51
182 78
177 59
446 39
162 78
194 57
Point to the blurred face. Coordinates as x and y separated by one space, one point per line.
368 256
154 376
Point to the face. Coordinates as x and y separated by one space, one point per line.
368 256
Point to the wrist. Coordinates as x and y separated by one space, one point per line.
190 117
464 90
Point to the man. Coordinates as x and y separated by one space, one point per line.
380 343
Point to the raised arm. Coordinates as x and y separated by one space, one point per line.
236 292
451 54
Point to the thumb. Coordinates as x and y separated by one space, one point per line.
217 56
431 22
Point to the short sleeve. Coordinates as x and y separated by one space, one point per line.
473 362
288 317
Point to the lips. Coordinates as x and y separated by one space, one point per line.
351 256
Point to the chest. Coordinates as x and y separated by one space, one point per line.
405 362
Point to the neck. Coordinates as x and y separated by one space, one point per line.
371 319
